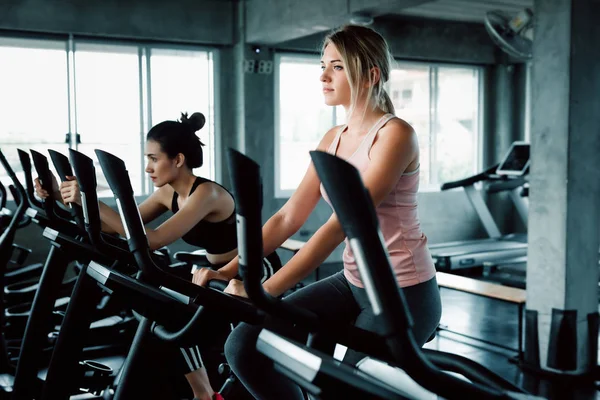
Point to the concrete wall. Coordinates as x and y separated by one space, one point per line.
420 39
204 21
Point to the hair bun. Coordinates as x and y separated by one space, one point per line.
195 121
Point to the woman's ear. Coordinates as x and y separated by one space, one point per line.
179 160
374 77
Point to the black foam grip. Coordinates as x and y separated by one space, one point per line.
62 165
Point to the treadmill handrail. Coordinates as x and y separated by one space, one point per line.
471 180
506 184
358 219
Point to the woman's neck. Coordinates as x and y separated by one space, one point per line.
362 118
183 184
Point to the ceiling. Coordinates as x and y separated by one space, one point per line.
464 10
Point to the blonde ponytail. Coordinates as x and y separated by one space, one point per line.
385 103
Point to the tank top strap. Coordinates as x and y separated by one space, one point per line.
174 206
373 132
332 149
199 180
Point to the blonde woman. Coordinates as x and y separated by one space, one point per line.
356 64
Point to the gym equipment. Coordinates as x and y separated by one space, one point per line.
509 175
317 373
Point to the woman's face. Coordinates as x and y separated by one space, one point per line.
159 166
336 88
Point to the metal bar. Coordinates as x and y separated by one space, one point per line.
483 212
521 306
445 328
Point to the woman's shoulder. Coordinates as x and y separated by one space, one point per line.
329 137
397 124
207 187
163 195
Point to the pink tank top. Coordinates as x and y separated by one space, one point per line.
398 220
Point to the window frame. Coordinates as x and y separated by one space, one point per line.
70 43
396 64
278 56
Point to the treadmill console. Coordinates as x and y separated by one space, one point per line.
516 160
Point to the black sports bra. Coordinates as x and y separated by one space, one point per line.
216 237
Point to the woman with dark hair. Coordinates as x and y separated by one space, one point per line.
203 212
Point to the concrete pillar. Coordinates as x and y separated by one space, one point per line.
562 272
231 94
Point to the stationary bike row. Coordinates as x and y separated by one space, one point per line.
68 243
52 217
178 314
67 351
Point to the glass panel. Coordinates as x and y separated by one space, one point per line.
457 125
303 118
107 93
33 99
410 92
182 81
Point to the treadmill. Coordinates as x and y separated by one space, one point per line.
510 175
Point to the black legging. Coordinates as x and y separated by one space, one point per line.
337 301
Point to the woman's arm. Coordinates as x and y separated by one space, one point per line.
288 220
310 256
151 207
201 203
395 149
43 194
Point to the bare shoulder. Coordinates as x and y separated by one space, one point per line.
396 132
209 192
397 126
209 188
163 195
328 137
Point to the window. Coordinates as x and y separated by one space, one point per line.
107 98
33 99
442 105
440 102
182 81
109 94
301 116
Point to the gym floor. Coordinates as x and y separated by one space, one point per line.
496 322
